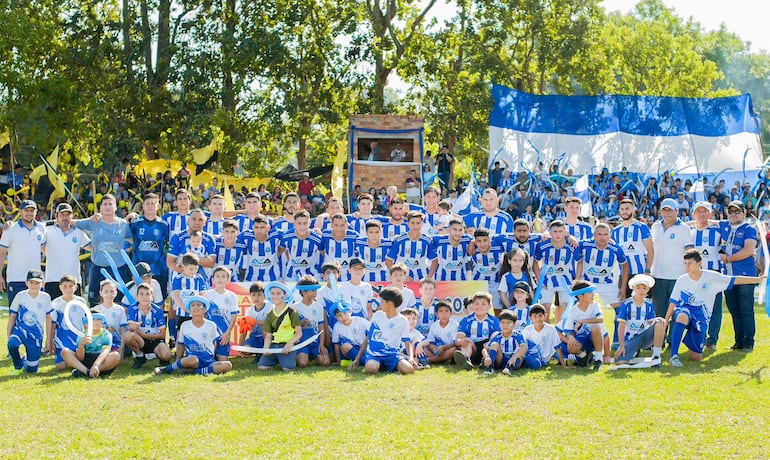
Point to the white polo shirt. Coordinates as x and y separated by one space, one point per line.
62 252
23 245
670 244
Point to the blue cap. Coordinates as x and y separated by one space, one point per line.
196 298
669 203
28 204
343 307
94 317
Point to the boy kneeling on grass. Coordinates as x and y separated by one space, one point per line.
388 330
199 337
93 356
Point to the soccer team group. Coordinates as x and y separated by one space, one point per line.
312 297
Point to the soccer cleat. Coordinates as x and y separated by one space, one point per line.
139 362
17 372
710 347
489 370
462 360
506 371
157 371
582 362
655 361
598 364
422 365
675 361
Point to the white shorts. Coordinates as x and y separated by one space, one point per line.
547 295
609 293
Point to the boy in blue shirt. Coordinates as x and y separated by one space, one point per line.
638 326
146 328
185 285
475 330
583 326
30 316
506 348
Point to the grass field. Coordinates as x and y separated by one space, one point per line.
719 408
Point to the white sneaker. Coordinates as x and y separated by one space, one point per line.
506 371
675 361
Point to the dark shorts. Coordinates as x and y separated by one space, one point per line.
90 358
150 345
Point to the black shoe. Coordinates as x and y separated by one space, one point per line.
582 362
735 347
747 349
139 362
79 375
598 364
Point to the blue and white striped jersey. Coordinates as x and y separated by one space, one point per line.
261 259
452 259
231 258
477 329
635 316
558 263
374 259
177 223
187 287
303 255
631 239
708 241
501 222
340 251
600 266
581 230
508 345
416 255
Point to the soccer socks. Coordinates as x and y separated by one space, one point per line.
492 356
205 370
677 332
175 366
656 352
13 349
598 356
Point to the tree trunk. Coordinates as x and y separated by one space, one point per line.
228 49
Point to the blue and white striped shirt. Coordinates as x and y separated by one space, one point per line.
452 260
303 255
261 259
599 265
631 239
416 255
374 259
558 263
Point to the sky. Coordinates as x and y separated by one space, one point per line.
742 17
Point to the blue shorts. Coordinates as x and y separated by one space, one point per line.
205 361
585 341
352 353
312 350
288 361
222 350
256 341
638 342
697 326
535 361
389 362
505 357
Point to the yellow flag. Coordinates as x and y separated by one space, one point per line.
338 172
229 204
5 138
202 155
53 160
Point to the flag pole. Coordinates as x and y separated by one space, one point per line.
64 184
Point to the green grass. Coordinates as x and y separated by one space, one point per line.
715 409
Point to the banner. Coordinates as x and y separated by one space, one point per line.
644 133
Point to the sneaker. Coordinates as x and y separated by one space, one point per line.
710 347
506 371
157 371
489 370
79 375
462 360
655 361
734 347
675 361
582 362
598 364
423 365
139 362
17 371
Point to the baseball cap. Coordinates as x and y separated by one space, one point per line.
143 268
669 203
63 207
521 285
28 204
737 204
356 261
536 308
702 204
35 275
306 174
641 278
94 317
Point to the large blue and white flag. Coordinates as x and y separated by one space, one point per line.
646 134
467 202
582 192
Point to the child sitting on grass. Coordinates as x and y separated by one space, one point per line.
199 337
506 348
475 330
543 342
388 331
93 356
440 345
282 330
147 328
349 333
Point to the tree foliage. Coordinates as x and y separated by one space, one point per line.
277 79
